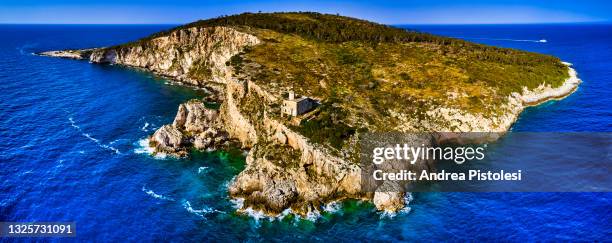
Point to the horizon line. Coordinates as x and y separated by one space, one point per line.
501 23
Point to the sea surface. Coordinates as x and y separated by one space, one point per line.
72 149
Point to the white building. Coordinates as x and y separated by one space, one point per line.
295 107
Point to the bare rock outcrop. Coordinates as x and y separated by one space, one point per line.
194 117
168 139
71 54
193 55
389 197
268 186
194 124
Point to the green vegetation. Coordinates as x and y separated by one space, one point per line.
200 71
325 27
327 127
281 154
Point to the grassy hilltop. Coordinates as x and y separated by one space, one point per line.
364 73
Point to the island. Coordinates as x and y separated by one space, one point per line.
299 89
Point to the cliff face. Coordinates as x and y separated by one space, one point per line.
194 55
284 170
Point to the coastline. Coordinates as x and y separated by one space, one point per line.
68 54
517 102
544 94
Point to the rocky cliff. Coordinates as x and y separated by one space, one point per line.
193 55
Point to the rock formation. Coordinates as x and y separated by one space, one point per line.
194 125
177 55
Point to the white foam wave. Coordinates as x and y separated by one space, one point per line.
25 48
142 147
144 127
202 169
95 140
199 212
284 214
117 140
332 207
390 214
258 215
155 195
60 163
27 146
237 203
407 200
150 123
313 215
225 185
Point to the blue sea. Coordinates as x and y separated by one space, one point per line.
71 149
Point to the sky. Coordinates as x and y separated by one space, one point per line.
382 11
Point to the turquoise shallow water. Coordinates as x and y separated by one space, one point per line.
70 151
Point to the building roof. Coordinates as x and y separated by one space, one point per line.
298 99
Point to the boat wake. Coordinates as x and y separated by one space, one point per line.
504 39
25 49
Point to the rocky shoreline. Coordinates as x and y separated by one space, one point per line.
284 169
83 54
546 93
517 102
